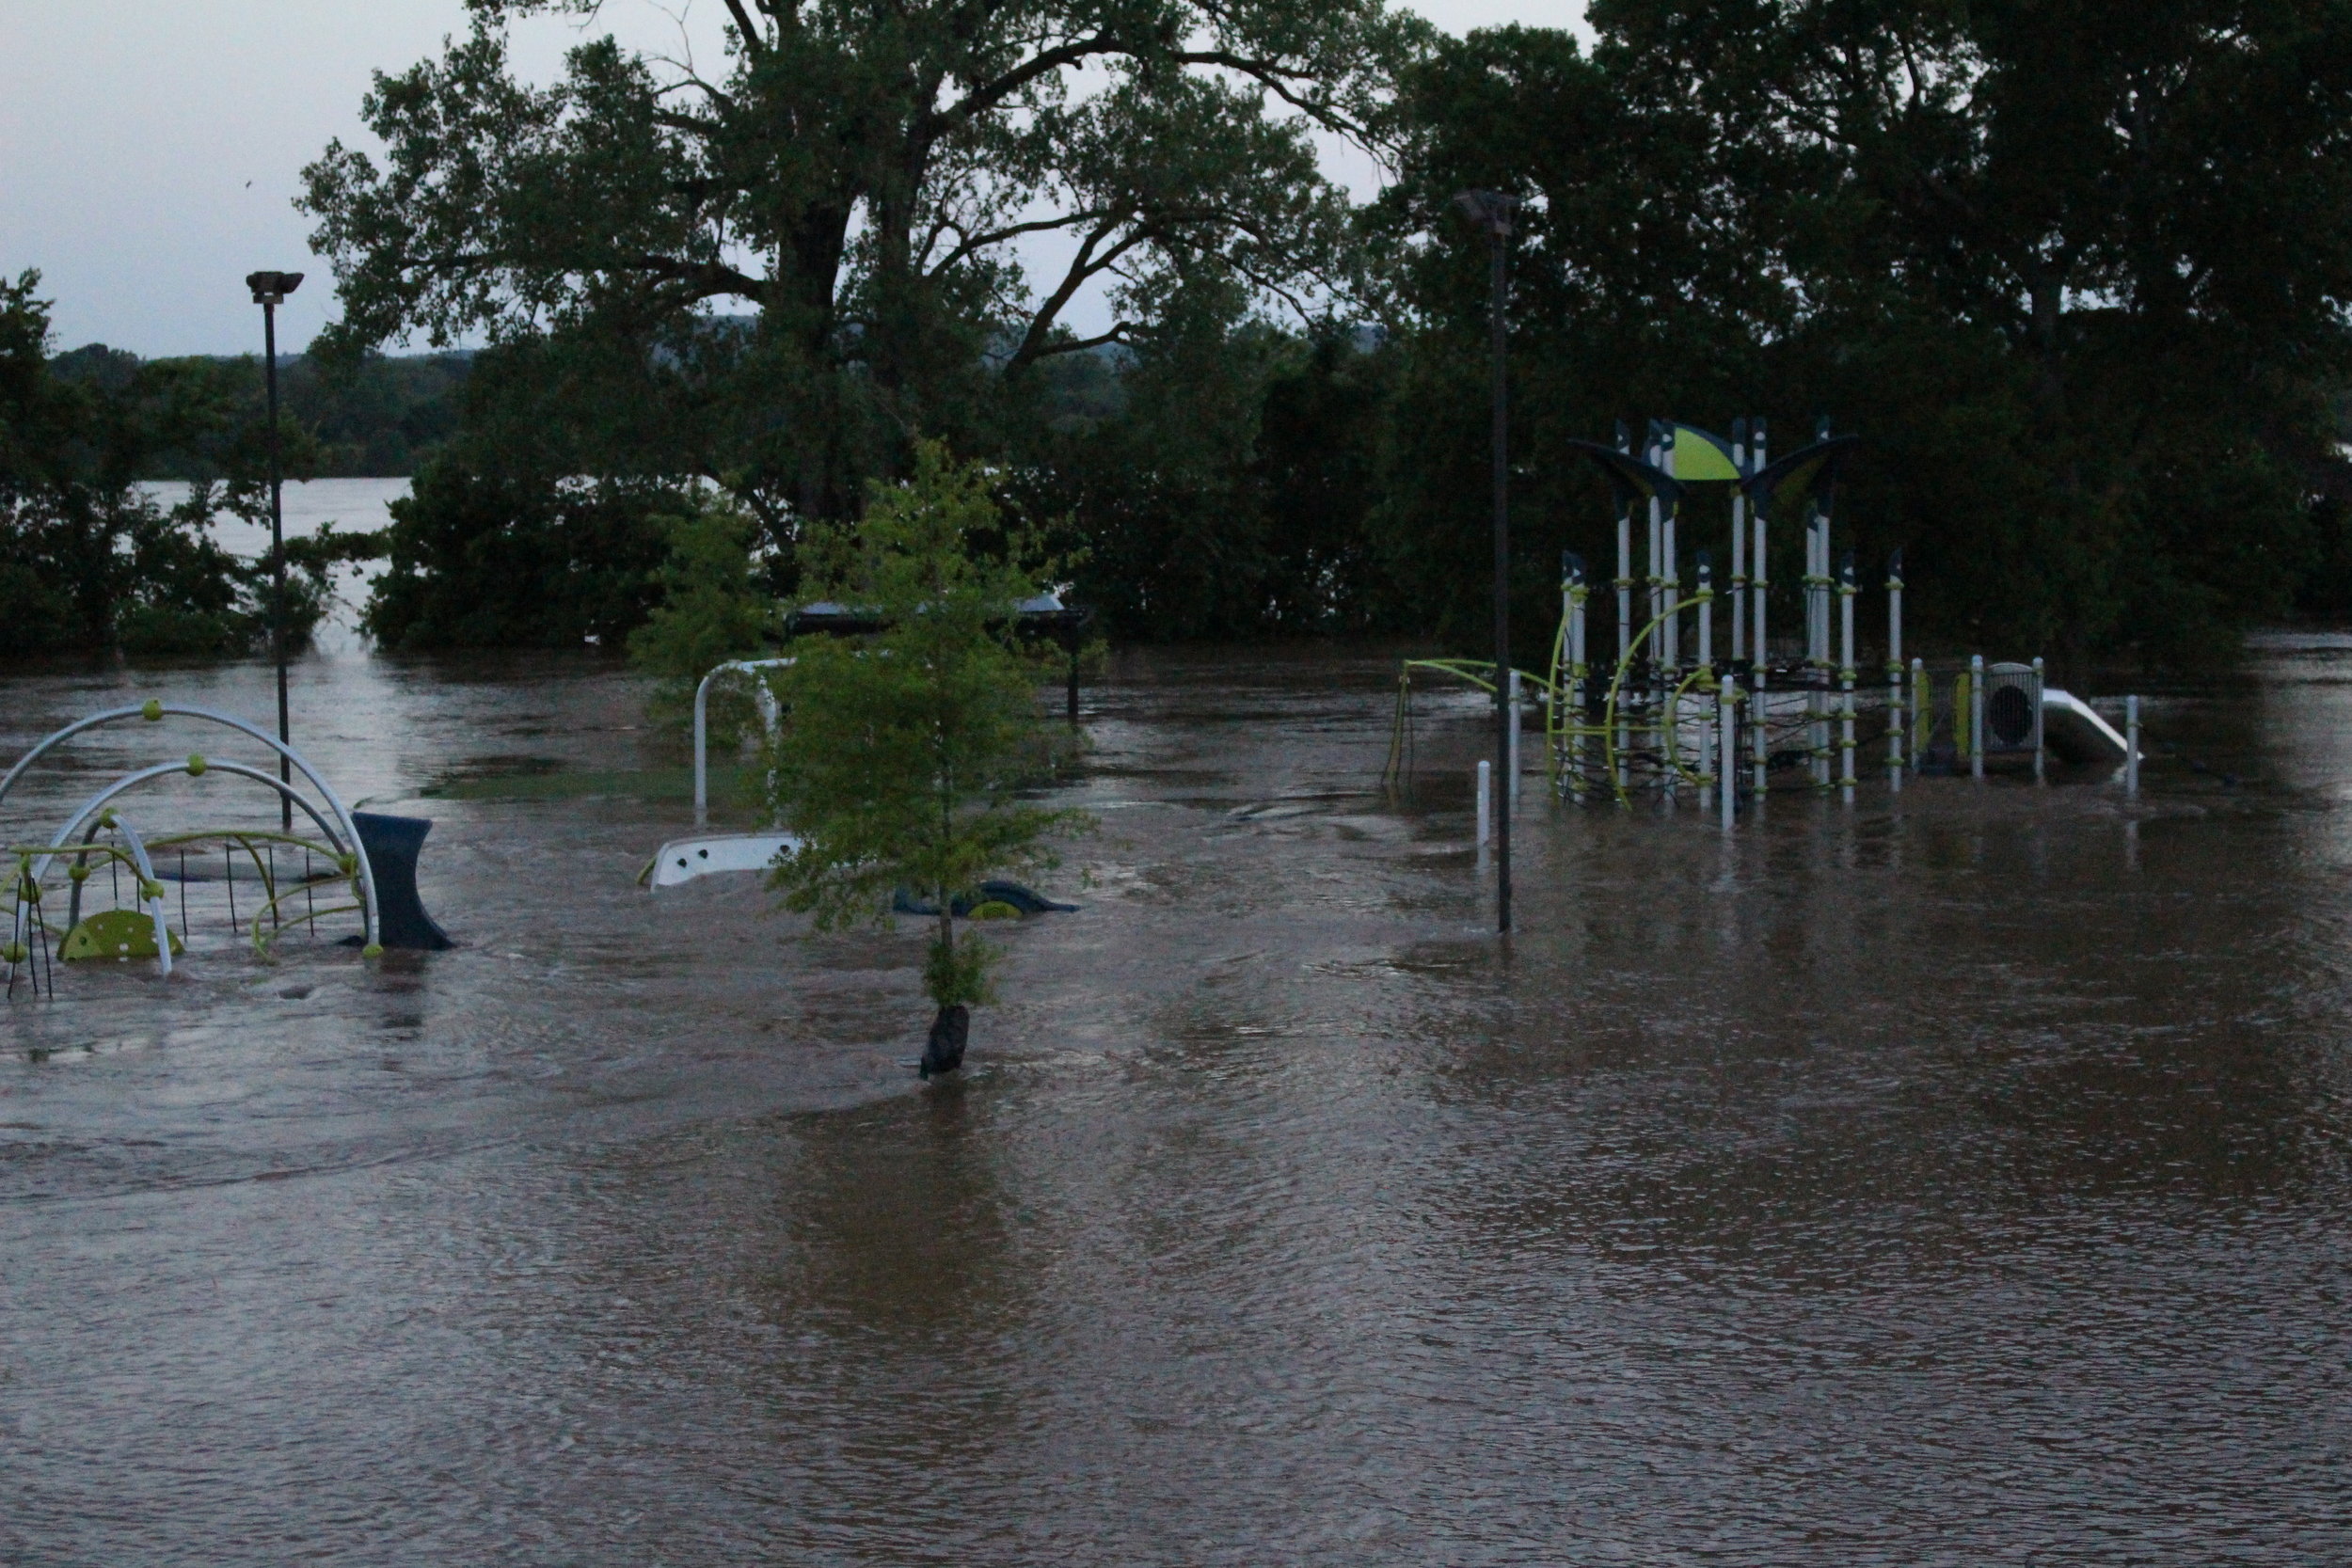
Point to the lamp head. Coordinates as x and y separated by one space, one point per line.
271 288
1489 210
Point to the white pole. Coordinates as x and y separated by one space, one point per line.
2131 746
1817 648
1624 581
1559 671
1577 701
1894 734
1758 649
1665 658
1711 767
1727 720
1738 551
1657 560
1657 607
1760 646
702 750
1976 716
1847 590
1510 790
1673 627
1485 801
2037 719
1707 612
1669 569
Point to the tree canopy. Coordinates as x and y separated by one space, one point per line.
2078 271
856 178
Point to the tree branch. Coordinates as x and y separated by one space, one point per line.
1082 266
989 94
996 236
753 45
1118 334
1276 80
688 79
705 279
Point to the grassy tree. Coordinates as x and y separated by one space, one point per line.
903 755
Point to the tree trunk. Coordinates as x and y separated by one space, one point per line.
944 1051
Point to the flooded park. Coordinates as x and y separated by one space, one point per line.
1954 1177
1688 669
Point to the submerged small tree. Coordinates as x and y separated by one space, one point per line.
902 756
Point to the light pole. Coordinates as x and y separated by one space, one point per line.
1491 211
270 290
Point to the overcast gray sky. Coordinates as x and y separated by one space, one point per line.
150 149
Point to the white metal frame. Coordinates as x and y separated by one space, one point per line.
346 841
761 694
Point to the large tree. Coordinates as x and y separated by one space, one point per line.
859 180
2078 269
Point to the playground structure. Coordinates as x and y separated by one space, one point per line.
346 851
1668 716
683 859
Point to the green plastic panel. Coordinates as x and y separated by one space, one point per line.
1701 457
114 934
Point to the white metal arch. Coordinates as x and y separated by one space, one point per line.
150 896
86 815
153 711
766 699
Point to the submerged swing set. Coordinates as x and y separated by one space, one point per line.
1668 715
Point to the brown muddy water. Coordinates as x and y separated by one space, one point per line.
1956 1183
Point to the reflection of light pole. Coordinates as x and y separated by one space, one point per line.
1491 211
270 290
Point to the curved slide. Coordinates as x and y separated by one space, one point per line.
2075 733
682 860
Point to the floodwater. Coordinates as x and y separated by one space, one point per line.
352 505
1956 1181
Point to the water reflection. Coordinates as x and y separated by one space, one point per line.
1956 1180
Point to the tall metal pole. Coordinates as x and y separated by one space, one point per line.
1506 712
270 290
277 560
1491 211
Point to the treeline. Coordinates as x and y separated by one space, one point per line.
89 561
2077 271
377 417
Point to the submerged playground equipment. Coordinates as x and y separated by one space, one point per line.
1675 711
683 859
371 856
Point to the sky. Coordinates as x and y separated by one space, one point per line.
151 149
